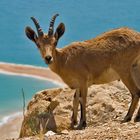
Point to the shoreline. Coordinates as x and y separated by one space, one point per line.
12 123
10 128
30 71
5 119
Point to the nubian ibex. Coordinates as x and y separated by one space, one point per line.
111 56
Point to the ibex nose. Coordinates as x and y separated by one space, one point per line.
48 58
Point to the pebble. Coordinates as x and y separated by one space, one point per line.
50 133
65 132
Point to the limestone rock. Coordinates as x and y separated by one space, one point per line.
51 110
47 111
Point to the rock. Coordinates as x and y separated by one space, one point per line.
65 132
50 133
51 110
43 112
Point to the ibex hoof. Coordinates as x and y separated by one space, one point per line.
81 126
126 119
73 123
137 119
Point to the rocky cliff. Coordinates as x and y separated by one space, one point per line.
50 110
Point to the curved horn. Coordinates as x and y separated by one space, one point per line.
50 32
39 30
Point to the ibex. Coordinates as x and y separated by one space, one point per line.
108 57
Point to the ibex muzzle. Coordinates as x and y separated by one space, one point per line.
48 59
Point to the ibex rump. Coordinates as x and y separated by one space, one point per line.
108 57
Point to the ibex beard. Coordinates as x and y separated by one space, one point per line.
111 56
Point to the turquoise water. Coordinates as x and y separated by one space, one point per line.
83 19
11 99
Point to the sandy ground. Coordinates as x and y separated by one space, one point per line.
12 127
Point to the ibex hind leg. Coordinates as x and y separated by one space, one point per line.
132 108
137 118
135 72
130 84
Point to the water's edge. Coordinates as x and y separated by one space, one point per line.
28 75
11 117
8 118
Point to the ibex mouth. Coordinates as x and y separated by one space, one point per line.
48 60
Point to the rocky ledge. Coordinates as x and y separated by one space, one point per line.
49 112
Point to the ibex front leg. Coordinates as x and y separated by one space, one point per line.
82 99
75 108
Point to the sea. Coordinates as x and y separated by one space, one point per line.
83 19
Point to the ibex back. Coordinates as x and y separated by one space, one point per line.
111 56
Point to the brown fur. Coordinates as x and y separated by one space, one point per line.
108 57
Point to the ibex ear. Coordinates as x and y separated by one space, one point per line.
59 31
30 33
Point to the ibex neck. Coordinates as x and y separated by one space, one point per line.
57 62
